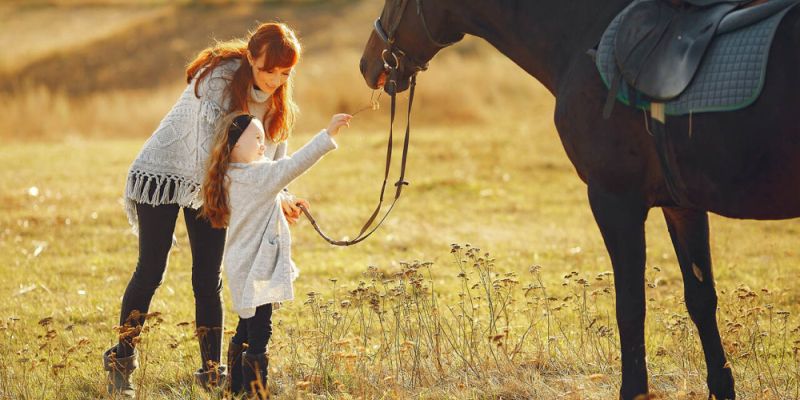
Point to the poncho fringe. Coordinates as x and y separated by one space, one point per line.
167 190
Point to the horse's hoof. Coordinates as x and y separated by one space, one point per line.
720 385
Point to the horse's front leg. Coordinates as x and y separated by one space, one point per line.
689 232
621 220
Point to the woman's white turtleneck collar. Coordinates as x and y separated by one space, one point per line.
258 96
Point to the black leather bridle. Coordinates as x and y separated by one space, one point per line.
394 51
392 70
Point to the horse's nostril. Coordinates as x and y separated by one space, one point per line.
363 66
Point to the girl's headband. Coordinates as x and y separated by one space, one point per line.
237 127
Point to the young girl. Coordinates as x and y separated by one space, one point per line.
241 192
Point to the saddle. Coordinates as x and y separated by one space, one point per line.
660 44
658 47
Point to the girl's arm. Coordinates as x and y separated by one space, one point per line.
280 152
273 176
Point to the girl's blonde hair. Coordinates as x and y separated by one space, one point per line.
282 50
216 206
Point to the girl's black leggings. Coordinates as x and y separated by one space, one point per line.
156 227
255 331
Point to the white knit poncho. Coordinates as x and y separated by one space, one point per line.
170 168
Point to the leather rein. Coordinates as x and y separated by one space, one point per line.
390 53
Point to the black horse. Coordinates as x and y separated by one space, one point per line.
743 164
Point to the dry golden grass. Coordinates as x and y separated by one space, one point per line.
69 254
486 168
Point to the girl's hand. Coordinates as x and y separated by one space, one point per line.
291 209
301 202
338 121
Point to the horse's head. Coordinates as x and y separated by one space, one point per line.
403 40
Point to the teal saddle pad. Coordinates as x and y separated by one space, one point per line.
730 77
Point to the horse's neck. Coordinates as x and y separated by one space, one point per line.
541 36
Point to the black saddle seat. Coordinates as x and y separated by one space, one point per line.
659 45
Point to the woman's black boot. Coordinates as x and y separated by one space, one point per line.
212 373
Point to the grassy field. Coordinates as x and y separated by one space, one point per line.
489 280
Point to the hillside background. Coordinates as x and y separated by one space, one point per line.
111 69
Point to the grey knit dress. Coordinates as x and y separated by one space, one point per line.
258 259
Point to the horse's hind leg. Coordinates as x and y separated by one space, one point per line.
689 232
621 222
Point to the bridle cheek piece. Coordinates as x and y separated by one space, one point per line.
396 53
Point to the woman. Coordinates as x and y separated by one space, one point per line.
252 76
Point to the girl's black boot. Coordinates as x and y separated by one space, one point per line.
254 375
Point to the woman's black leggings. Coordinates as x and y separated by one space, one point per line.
156 227
255 331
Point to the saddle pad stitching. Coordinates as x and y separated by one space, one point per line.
732 81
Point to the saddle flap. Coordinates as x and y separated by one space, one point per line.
659 47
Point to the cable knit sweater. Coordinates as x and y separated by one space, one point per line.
171 165
258 259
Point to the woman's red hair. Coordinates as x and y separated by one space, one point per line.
282 50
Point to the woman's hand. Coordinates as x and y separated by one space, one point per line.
338 121
291 209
